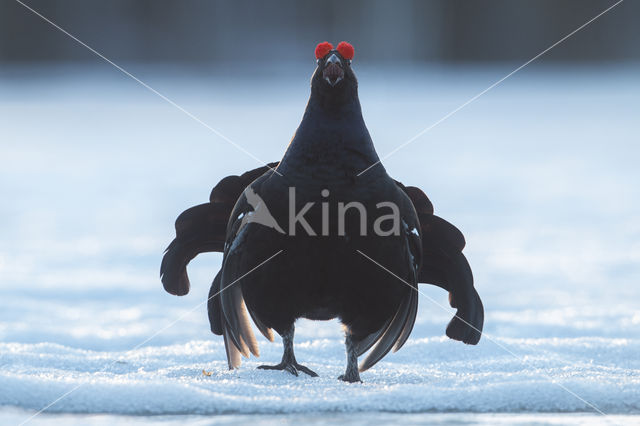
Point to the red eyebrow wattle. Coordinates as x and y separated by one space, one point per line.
346 50
323 48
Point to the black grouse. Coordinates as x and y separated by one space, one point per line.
301 239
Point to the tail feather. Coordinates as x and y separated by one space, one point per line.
452 272
214 309
444 265
173 269
202 229
173 272
199 229
467 325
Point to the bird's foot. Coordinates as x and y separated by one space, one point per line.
350 377
291 367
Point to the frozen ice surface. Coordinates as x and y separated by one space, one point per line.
540 174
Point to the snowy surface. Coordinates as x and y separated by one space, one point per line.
540 174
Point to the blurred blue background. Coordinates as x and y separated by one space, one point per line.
213 32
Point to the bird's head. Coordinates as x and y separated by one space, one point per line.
334 75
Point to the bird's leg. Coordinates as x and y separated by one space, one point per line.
289 362
352 374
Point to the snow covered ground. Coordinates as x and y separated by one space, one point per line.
540 174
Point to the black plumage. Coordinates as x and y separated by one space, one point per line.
317 269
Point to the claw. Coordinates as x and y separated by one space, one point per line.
291 367
289 362
350 378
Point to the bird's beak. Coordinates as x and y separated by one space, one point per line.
333 72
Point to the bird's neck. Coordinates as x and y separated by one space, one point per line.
332 139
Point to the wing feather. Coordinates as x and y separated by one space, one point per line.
365 344
233 354
411 320
390 335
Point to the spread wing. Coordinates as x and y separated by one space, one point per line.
444 265
203 229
